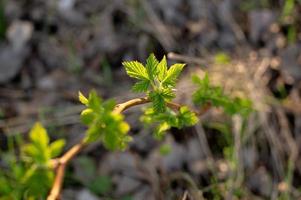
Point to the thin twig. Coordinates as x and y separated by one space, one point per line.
188 59
60 170
119 108
59 164
193 188
159 29
185 195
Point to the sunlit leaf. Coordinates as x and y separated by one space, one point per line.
151 66
186 117
172 74
161 129
141 86
87 116
56 147
94 100
136 70
162 69
38 134
158 101
82 98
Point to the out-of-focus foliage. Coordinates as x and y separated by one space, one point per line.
27 174
222 58
215 96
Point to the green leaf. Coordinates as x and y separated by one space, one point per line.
167 93
151 66
104 124
31 150
201 82
5 188
160 130
82 98
101 185
141 86
56 147
123 127
158 101
165 149
37 183
109 104
27 172
167 119
214 95
38 134
87 116
172 74
94 100
222 58
115 132
136 70
36 153
186 117
162 69
94 132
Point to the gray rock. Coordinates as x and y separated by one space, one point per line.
86 195
18 33
65 4
83 194
126 184
69 14
176 158
13 54
260 21
260 182
249 157
289 62
226 40
52 54
144 193
194 150
11 62
118 163
47 83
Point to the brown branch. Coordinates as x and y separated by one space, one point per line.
119 108
59 164
60 170
188 59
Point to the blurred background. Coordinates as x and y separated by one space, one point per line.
49 50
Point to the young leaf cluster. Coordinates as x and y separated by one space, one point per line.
29 175
104 124
215 96
155 79
164 121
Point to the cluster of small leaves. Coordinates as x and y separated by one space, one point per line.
164 121
155 79
104 124
158 82
28 174
215 96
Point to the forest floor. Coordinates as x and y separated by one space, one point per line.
49 50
